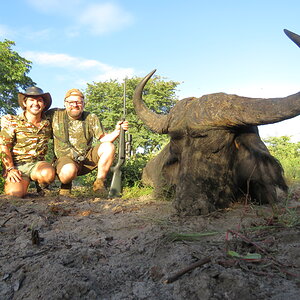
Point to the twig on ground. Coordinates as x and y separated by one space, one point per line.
247 240
3 224
35 254
187 269
289 273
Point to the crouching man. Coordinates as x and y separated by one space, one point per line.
73 133
24 144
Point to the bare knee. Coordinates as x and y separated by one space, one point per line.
17 189
67 173
18 194
106 148
47 175
43 173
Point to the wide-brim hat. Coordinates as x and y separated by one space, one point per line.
35 91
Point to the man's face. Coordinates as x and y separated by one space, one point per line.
74 106
34 105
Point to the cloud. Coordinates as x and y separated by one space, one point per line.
54 6
104 18
96 18
265 91
52 59
27 32
91 70
43 34
115 73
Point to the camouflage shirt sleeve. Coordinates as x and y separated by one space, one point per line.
96 126
7 134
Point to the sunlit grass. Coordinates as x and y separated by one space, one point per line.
137 191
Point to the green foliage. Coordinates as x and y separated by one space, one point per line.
136 191
287 153
87 180
289 217
131 173
133 170
13 77
50 152
192 236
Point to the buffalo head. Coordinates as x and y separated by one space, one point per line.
215 152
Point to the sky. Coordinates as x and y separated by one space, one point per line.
231 46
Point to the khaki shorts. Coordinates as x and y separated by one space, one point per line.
89 164
27 169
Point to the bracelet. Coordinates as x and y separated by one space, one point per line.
9 169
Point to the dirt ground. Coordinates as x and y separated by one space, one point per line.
93 248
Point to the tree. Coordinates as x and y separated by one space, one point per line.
105 99
287 153
13 77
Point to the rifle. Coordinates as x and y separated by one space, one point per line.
116 183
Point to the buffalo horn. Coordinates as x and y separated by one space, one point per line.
156 122
293 36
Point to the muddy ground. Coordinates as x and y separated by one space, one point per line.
93 248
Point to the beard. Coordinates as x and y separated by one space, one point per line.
74 113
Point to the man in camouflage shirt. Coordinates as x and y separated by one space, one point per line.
24 144
73 132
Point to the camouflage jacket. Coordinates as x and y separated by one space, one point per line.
80 133
26 141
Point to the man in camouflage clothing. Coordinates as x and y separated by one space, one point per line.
24 144
73 132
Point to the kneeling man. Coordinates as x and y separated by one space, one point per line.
73 132
24 144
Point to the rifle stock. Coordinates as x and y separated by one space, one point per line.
116 183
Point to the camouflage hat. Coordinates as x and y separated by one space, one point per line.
35 91
74 92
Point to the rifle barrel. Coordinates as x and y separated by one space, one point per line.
124 100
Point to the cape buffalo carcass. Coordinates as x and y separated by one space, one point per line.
215 153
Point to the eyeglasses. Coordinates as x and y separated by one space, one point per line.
74 103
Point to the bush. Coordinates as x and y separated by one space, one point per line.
131 173
288 154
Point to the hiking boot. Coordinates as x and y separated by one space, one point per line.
98 185
65 189
99 188
65 192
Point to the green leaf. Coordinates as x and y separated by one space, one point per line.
233 254
252 256
249 256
